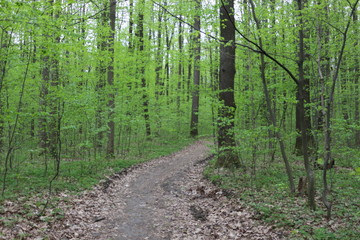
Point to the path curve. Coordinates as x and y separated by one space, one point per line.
140 211
166 198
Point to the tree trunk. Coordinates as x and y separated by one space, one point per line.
271 112
145 98
100 85
302 117
54 102
226 135
195 93
329 106
159 83
180 66
4 45
110 80
305 92
44 91
131 24
356 82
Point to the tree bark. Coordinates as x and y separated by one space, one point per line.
110 80
180 66
271 112
226 135
4 44
145 98
44 91
329 106
101 83
356 81
159 83
194 131
305 92
302 117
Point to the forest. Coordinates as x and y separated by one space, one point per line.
91 87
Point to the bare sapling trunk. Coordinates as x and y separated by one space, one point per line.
270 109
110 81
329 105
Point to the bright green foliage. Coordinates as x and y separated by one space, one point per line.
69 39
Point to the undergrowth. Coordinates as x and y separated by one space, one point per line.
30 177
268 194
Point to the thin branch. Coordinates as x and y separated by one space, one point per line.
95 14
326 22
201 31
261 50
335 76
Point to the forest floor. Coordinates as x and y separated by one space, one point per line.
166 198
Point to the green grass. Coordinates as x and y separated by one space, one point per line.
268 195
29 177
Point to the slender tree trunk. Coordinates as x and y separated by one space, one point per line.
131 23
271 112
303 119
305 92
168 40
54 121
100 85
329 105
4 44
356 81
226 135
44 91
195 93
145 98
214 76
110 81
159 84
190 68
323 62
180 66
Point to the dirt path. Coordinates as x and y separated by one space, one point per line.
166 198
141 211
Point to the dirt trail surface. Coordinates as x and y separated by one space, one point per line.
142 208
166 198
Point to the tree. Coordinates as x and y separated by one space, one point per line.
226 112
303 89
329 106
101 74
302 113
271 112
49 102
356 80
5 41
140 38
110 80
195 93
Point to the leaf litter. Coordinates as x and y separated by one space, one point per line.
166 198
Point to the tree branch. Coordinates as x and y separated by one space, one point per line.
261 50
199 30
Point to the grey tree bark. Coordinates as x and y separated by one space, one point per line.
302 117
271 112
195 93
226 135
110 81
140 38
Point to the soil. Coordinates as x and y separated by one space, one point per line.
169 199
166 198
142 209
